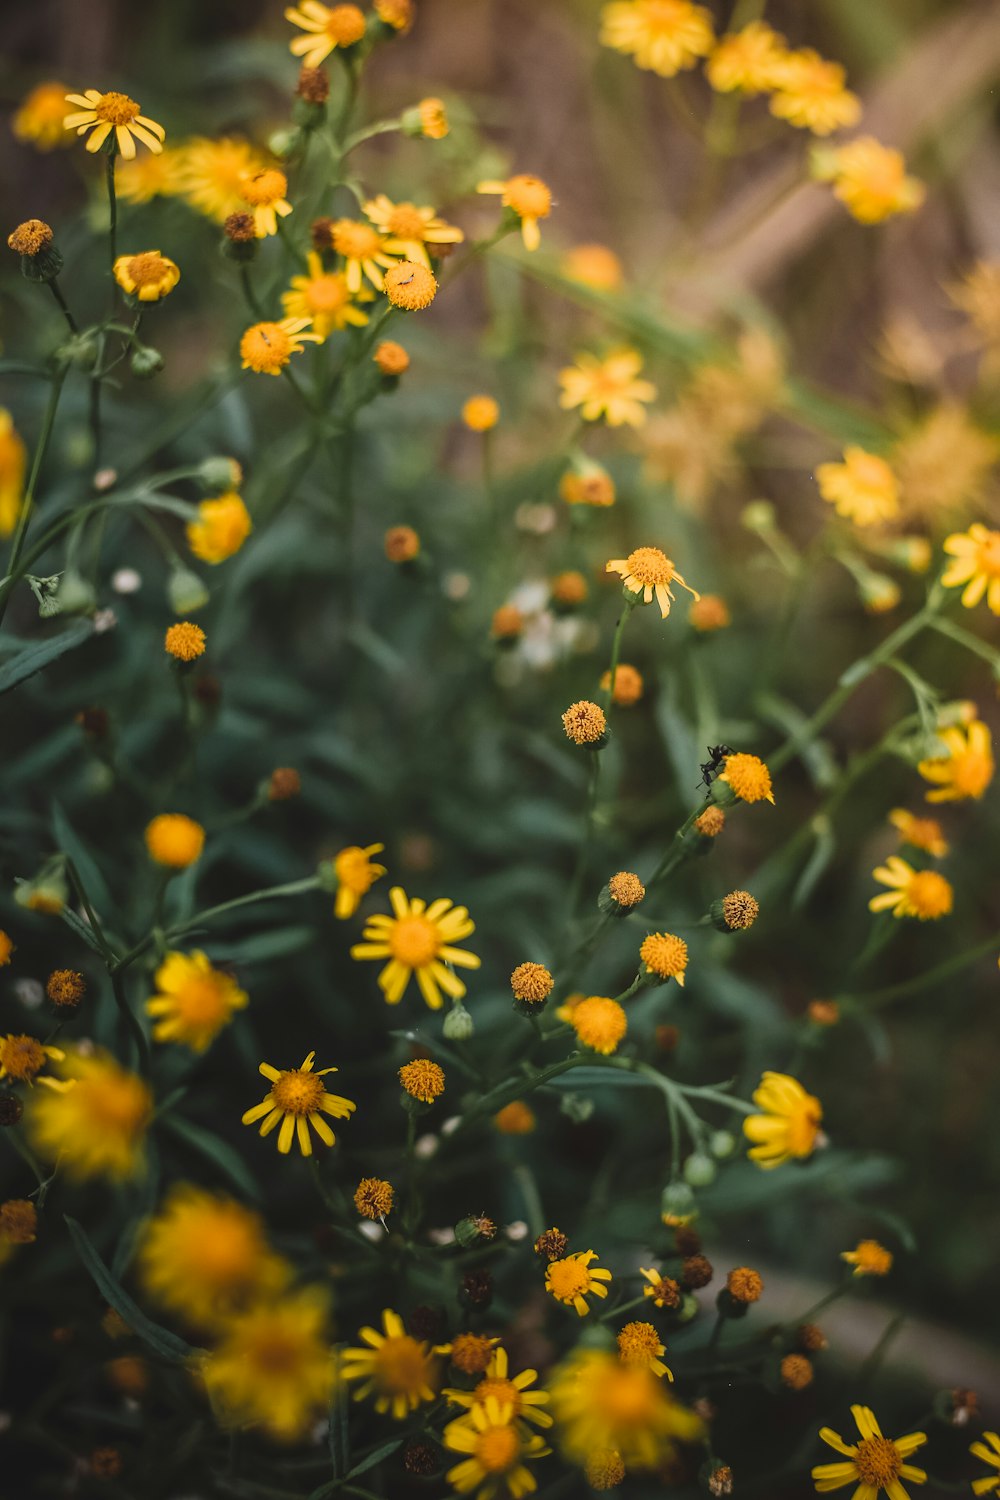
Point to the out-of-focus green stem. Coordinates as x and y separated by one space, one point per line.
27 504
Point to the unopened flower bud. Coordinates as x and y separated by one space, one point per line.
185 591
146 362
458 1024
699 1170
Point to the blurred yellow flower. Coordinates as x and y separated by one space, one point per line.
600 1404
419 939
966 769
212 173
746 61
297 1098
147 177
97 1126
869 179
409 230
40 115
222 527
875 1463
942 464
399 1371
595 266
528 197
364 252
664 36
572 1280
788 1125
266 348
868 1258
323 298
496 1450
977 566
325 28
174 840
480 413
913 893
356 874
13 462
921 833
608 388
599 1022
104 113
648 571
811 93
863 488
193 1000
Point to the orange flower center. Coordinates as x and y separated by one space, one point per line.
297 1092
971 773
878 1461
568 1278
628 1397
414 941
116 109
355 241
22 1056
264 188
639 1344
147 269
497 1448
406 222
121 1104
528 197
353 869
267 346
650 566
201 1002
505 1391
400 1366
345 25
929 894
274 1354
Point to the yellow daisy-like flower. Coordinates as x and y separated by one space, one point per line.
266 348
273 1367
150 276
95 1127
174 840
512 1391
868 1258
664 36
599 1022
298 1099
419 939
193 1001
104 113
601 1405
863 488
147 177
875 1463
23 1057
204 1257
325 27
324 298
640 1346
989 1455
400 1371
920 833
977 566
571 1280
13 463
222 527
364 252
594 265
812 94
914 893
664 955
967 768
749 778
264 192
529 197
213 174
870 180
496 1449
40 115
746 61
409 230
356 874
789 1124
608 388
648 571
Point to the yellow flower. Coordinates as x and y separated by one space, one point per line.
193 1001
364 252
921 833
943 464
640 1347
608 388
967 768
273 1367
23 1057
147 177
595 266
977 566
298 1099
749 778
710 612
648 571
175 840
184 641
323 297
356 874
325 28
516 1118
870 180
664 36
150 276
590 485
39 117
811 93
13 462
868 1258
373 1197
398 1370
204 1257
6 948
863 488
571 1280
395 13
18 1223
409 230
419 939
422 1079
495 1449
104 113
585 723
97 1126
914 893
664 1290
267 347
978 296
528 197
628 684
664 955
873 1464
480 413
531 983
989 1455
600 1404
599 1022
213 174
509 1390
789 1125
391 358
746 61
264 192
222 527
410 285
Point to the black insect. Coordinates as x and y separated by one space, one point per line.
710 768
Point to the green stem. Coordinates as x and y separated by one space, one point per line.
627 608
27 504
249 294
384 127
56 291
924 980
576 885
293 888
109 171
675 850
965 638
130 1019
298 388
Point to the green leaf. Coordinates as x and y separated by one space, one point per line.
40 653
86 867
216 1150
81 928
160 1340
375 1458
